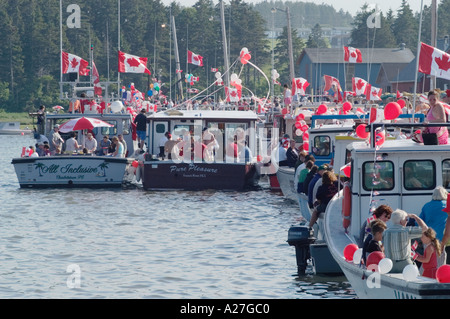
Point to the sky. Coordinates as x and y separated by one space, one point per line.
352 6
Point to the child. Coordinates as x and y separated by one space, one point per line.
377 228
429 259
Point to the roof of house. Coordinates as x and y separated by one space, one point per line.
376 55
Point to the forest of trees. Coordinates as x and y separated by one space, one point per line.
30 51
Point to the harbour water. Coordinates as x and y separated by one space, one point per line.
130 243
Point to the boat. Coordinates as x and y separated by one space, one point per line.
189 173
381 174
13 128
78 169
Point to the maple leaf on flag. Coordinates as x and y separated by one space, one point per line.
74 63
443 63
360 84
133 62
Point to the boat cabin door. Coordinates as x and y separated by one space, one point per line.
159 128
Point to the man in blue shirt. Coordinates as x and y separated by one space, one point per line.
320 171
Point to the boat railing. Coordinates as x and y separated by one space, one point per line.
419 117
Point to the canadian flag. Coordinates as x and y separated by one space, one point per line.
434 62
352 55
132 64
214 69
373 93
331 83
399 95
359 86
195 58
299 86
96 80
232 95
74 64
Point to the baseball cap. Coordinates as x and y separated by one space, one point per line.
323 167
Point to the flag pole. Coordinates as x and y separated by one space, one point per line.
417 60
118 46
60 52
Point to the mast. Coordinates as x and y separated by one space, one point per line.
60 52
177 57
225 45
118 48
417 59
434 23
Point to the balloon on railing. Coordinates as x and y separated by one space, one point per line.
392 110
322 109
374 258
410 272
361 131
349 250
443 274
385 265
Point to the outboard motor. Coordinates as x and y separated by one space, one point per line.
301 237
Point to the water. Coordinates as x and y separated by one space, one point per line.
130 243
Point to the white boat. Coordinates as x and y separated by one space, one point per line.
76 169
190 172
382 175
12 128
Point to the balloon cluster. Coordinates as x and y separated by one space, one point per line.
189 78
245 56
236 81
302 130
275 76
219 80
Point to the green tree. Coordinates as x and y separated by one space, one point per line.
405 27
316 38
281 53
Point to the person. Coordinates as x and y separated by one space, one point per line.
32 152
325 193
124 143
171 147
320 170
248 155
141 126
429 258
40 149
41 119
83 102
118 151
302 176
432 212
445 242
382 212
375 243
309 178
436 114
232 152
90 143
72 144
199 149
57 141
162 143
105 143
287 93
282 149
397 239
47 150
212 145
291 154
74 106
303 158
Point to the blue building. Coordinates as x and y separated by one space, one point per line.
381 67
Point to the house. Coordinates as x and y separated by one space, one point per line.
380 66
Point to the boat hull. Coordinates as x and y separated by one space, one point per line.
70 171
285 177
197 176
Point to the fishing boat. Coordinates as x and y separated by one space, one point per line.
12 128
189 167
77 169
382 175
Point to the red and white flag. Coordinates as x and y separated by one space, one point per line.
371 219
331 83
415 245
214 69
359 86
299 86
232 94
74 64
195 58
352 55
373 93
399 95
96 80
132 64
434 62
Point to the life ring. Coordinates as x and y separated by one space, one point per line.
346 206
138 173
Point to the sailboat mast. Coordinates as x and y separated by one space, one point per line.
433 36
177 58
225 46
118 47
417 59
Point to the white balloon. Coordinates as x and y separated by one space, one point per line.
385 265
410 272
116 106
234 77
299 132
357 256
218 75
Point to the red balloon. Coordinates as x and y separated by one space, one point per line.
322 109
392 110
298 124
304 128
443 274
374 258
347 106
300 117
349 251
361 131
347 170
305 135
306 146
380 137
135 164
402 103
284 111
